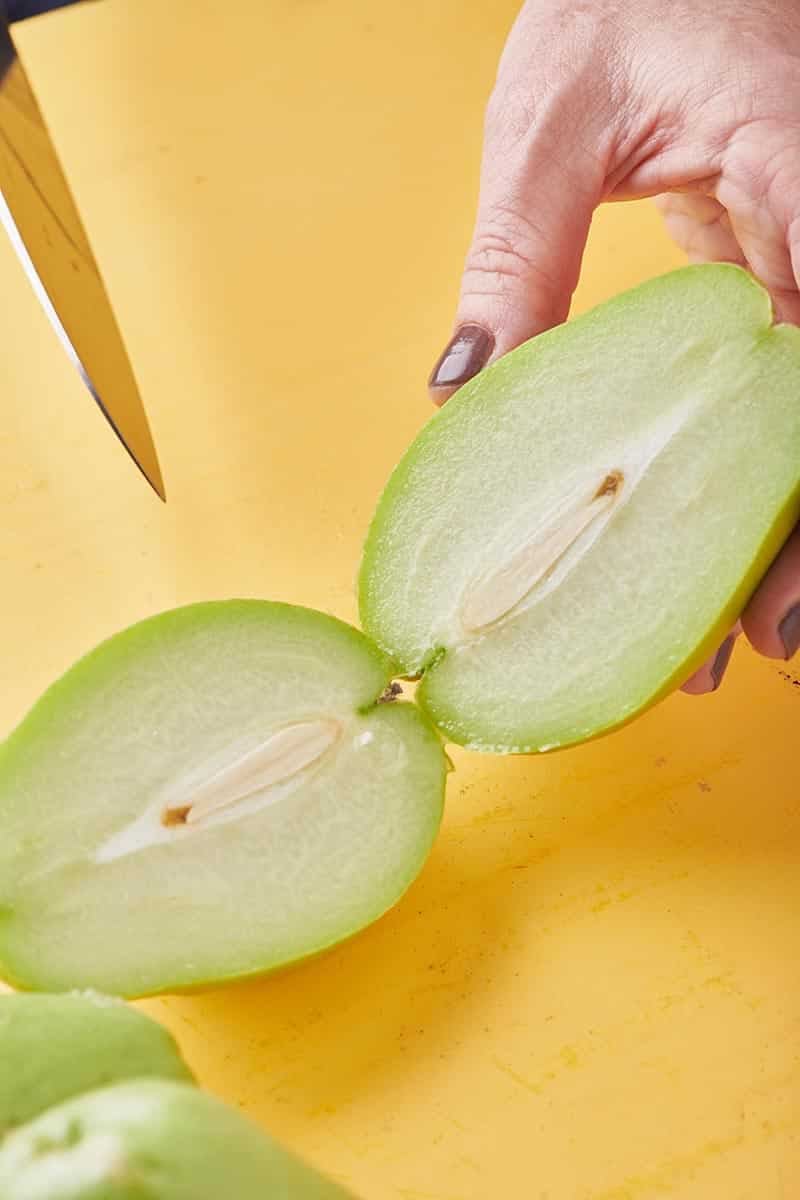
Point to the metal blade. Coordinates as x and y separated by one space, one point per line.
41 219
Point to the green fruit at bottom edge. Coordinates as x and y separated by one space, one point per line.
214 793
56 1047
583 522
151 1141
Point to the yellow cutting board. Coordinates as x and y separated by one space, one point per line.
593 991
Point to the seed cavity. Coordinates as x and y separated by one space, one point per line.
500 590
283 755
238 783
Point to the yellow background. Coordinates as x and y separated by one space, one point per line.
593 991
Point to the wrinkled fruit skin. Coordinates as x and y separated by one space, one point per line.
151 1140
55 1047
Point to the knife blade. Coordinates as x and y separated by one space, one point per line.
40 216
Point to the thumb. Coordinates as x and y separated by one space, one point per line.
539 189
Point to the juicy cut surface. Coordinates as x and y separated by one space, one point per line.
583 521
210 794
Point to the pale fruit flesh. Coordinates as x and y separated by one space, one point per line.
214 793
55 1047
149 1140
544 606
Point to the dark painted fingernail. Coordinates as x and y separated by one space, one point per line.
467 353
720 663
789 630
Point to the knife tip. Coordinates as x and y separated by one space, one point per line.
156 482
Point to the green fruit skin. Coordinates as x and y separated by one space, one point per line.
55 1047
152 1140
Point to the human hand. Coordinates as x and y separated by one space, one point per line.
693 102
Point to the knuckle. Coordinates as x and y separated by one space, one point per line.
506 247
510 115
500 270
562 65
760 187
495 253
794 224
763 160
783 186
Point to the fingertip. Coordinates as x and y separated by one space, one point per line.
709 677
440 396
763 634
464 356
699 684
789 631
772 618
774 635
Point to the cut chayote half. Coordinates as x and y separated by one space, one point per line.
583 522
216 792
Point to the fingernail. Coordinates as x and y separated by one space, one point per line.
789 630
720 663
465 355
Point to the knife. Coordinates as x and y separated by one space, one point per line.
45 228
